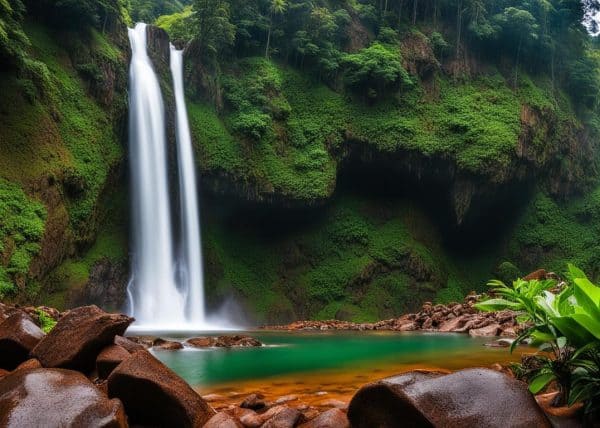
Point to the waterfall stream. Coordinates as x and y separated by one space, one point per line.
191 266
161 295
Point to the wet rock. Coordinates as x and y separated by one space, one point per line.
213 397
167 345
250 418
78 338
286 399
30 364
222 420
154 395
129 345
109 358
487 331
146 341
56 398
283 418
18 336
338 404
3 373
333 418
253 402
468 398
201 342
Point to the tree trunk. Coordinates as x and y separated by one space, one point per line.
415 7
458 27
435 13
269 36
517 62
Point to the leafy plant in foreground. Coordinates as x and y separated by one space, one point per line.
563 321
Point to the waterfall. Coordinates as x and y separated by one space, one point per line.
155 298
191 248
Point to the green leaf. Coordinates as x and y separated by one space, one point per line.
540 381
497 305
588 296
572 330
592 325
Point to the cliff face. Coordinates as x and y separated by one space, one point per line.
61 151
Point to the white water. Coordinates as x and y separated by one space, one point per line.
191 265
591 19
154 296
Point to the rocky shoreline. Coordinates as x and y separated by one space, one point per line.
451 318
84 372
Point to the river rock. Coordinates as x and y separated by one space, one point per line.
18 336
223 342
3 373
285 417
467 398
223 420
109 358
487 331
78 338
154 395
129 345
253 402
32 363
56 398
167 345
333 418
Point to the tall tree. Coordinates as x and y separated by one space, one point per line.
277 7
212 27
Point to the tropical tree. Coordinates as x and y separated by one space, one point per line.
277 7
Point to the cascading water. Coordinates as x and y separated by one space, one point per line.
154 296
191 258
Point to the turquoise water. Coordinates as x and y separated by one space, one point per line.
297 353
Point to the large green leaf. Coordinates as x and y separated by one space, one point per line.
588 296
572 330
497 305
540 381
592 325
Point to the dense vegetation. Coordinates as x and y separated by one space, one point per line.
562 319
347 117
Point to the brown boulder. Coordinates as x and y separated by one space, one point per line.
129 345
167 345
254 402
18 336
333 418
468 398
223 420
109 358
154 395
201 342
284 418
78 338
3 373
539 275
487 331
30 364
56 398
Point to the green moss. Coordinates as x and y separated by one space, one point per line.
21 231
360 258
284 132
46 321
549 234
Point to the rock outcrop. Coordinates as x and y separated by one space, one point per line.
18 336
154 395
78 338
56 398
109 359
468 398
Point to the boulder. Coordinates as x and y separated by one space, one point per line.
109 358
254 402
223 420
333 418
56 398
30 364
284 418
487 331
201 342
129 345
78 338
167 345
3 373
154 395
223 342
18 336
468 398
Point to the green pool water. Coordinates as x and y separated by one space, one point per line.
298 353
